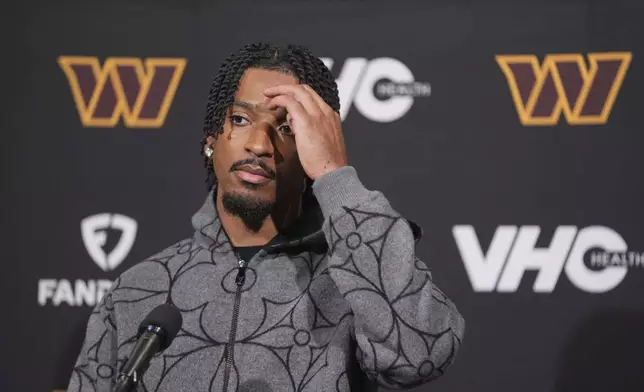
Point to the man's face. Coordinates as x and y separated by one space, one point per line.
255 158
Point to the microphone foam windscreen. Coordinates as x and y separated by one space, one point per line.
168 318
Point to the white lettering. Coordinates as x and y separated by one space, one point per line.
64 293
548 261
484 270
585 278
83 292
565 253
604 259
638 259
45 290
359 77
349 79
415 89
392 108
598 259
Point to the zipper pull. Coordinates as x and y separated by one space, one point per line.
241 273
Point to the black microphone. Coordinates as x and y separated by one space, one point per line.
156 333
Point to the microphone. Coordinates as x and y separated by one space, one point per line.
155 334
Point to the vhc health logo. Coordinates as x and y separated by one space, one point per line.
136 90
595 259
563 84
382 89
94 232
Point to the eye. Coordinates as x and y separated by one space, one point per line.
285 129
236 119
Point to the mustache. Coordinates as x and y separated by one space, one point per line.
253 162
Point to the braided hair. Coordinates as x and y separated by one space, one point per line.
295 60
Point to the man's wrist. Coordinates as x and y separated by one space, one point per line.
338 188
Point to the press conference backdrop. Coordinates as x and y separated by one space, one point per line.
510 130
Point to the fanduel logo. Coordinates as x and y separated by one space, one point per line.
512 252
139 91
382 89
94 231
564 84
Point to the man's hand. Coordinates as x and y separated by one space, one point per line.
317 128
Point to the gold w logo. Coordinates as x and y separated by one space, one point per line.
563 84
139 91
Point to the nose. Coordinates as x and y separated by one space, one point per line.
259 140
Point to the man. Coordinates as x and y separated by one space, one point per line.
297 278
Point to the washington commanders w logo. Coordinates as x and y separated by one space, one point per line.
139 91
564 84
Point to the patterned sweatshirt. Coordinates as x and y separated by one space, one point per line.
341 304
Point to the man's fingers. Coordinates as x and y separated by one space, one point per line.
299 93
294 108
324 107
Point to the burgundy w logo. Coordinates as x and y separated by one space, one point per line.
564 84
140 92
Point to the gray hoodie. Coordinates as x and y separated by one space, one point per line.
341 304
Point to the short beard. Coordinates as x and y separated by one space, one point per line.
249 209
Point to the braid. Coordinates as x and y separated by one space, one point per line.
292 59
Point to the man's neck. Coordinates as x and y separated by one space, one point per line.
240 235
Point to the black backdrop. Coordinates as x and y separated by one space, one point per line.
515 213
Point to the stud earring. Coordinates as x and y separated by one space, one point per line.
209 152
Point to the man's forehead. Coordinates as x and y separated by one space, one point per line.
258 106
248 104
251 104
253 83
